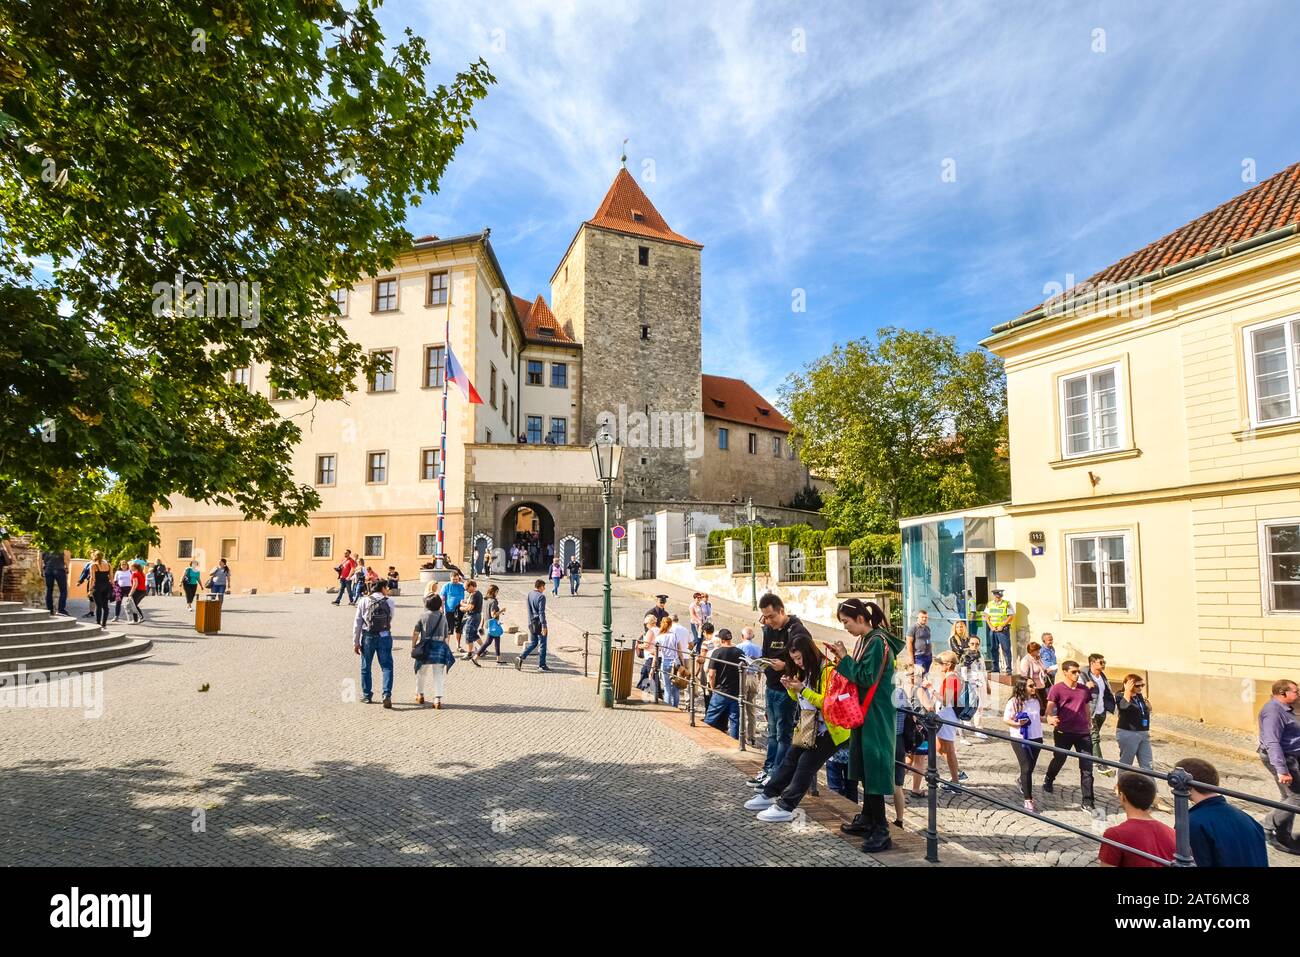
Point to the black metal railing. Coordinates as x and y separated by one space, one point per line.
801 567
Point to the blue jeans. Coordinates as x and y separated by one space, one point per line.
471 627
344 589
780 728
536 639
573 584
556 589
1001 639
672 693
381 645
720 706
60 579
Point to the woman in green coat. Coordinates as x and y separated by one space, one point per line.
871 746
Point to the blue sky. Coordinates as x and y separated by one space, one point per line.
805 148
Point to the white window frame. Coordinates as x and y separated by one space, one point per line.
365 546
550 432
1121 418
340 297
1293 373
1265 570
1103 585
388 378
329 551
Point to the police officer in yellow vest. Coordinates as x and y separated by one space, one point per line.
998 616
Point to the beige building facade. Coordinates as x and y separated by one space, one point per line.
1155 431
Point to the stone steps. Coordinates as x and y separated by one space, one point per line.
31 640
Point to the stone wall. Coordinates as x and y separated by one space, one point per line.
659 373
722 473
20 577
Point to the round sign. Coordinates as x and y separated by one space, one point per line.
618 531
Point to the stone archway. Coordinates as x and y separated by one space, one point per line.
532 524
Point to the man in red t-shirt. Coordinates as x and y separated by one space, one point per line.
345 570
1137 793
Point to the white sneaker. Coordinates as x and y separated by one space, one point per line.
776 815
759 803
981 735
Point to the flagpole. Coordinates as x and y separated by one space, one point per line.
442 471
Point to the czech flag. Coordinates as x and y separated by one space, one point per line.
456 373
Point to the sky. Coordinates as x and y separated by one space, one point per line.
930 165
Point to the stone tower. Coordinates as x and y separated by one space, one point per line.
629 288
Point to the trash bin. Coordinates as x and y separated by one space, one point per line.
207 614
622 665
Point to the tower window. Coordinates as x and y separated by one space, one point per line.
645 332
643 255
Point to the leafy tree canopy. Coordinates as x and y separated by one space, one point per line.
276 142
904 424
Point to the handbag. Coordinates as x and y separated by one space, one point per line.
421 650
805 732
494 628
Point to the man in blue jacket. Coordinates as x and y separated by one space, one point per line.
536 626
1222 835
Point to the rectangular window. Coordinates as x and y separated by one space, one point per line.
776 446
753 443
438 289
560 375
1090 413
322 546
430 464
492 320
325 469
385 381
1280 554
230 549
534 372
645 332
1100 572
376 468
643 255
275 548
559 431
724 438
1273 350
435 363
385 295
340 297
534 431
242 376
492 385
505 404
428 544
374 546
488 436
185 548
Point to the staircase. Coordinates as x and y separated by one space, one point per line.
35 640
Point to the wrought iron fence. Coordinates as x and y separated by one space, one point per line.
715 553
753 561
802 567
876 576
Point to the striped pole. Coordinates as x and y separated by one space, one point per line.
442 465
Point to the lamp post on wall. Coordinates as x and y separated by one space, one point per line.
473 503
606 457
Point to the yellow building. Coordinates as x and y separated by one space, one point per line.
1155 468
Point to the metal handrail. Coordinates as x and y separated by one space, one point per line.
1179 781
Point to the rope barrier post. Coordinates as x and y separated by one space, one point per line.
691 689
740 705
931 721
1179 781
585 636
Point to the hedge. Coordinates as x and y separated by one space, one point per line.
864 550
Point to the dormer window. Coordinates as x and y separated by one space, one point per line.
763 411
720 403
638 216
545 331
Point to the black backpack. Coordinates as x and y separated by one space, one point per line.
377 617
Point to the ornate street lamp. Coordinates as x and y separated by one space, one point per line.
606 457
472 502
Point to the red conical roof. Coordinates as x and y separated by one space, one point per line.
627 209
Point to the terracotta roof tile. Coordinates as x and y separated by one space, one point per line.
734 400
626 209
1269 205
540 324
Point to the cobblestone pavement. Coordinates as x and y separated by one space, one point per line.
275 764
992 833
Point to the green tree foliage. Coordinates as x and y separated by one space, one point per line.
904 424
277 142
